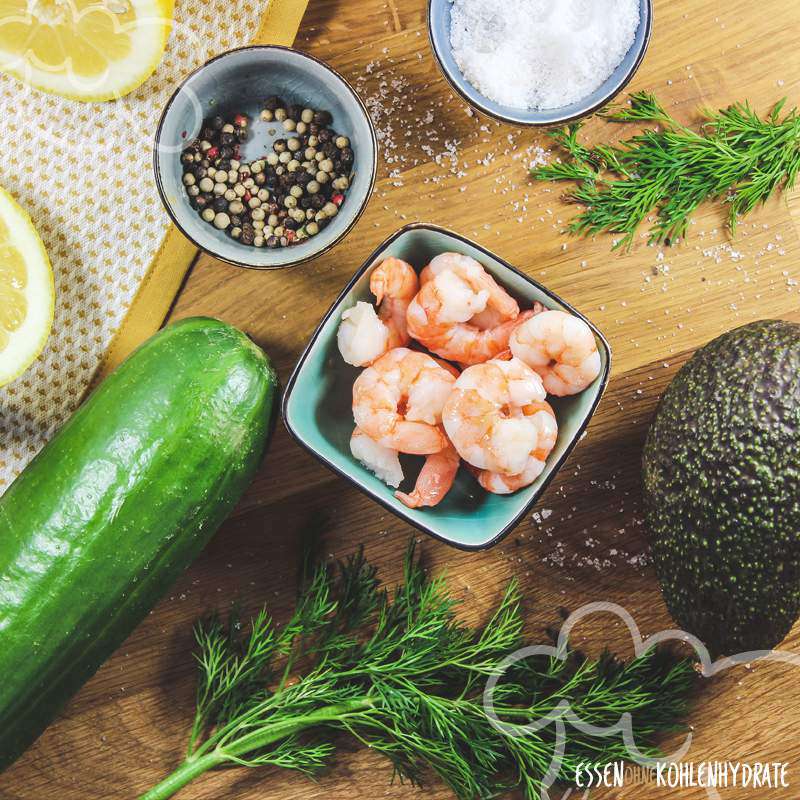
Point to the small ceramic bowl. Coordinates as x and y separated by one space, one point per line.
240 81
317 403
439 32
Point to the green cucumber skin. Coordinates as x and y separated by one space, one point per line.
117 505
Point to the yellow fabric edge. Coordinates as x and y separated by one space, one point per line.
165 275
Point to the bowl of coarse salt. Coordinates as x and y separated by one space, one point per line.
539 62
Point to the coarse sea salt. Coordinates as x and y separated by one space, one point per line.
540 53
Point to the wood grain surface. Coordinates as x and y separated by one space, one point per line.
586 541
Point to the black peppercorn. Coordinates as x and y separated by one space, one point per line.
304 202
324 136
228 139
294 111
313 128
272 242
317 201
224 164
207 134
248 234
241 134
236 221
273 103
330 149
304 178
290 224
272 208
323 223
217 123
346 156
286 180
226 153
187 157
220 204
323 118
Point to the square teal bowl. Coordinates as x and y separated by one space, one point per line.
317 402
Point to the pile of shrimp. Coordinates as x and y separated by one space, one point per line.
480 392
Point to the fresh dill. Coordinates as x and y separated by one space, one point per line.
399 672
736 157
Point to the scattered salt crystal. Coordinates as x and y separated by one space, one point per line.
540 53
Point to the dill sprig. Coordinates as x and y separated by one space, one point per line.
736 157
403 675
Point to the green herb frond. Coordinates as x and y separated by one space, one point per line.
404 675
737 157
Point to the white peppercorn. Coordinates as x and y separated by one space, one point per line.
258 214
313 187
285 157
236 207
301 127
236 232
239 190
326 165
293 165
280 114
222 220
230 195
331 209
227 128
341 183
193 191
272 159
290 201
309 153
254 202
293 144
312 228
258 241
263 195
341 142
289 124
307 115
188 179
206 185
208 214
267 115
296 192
220 189
322 176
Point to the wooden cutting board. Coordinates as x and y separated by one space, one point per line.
586 542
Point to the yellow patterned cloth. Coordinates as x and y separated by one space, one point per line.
84 173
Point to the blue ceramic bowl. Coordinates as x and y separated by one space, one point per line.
240 81
439 32
317 403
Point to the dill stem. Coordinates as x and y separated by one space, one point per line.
268 734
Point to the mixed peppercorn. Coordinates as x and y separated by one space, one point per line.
275 201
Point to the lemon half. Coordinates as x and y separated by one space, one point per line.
26 291
91 50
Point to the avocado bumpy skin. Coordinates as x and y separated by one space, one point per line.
721 470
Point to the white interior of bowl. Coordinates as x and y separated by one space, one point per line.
240 81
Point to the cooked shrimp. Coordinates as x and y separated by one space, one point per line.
398 401
460 312
543 416
561 348
383 461
363 335
491 416
435 479
394 284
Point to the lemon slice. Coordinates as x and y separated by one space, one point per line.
90 50
26 291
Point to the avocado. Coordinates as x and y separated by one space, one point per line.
721 471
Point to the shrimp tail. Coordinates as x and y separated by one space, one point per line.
434 481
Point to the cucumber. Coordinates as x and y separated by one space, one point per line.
117 505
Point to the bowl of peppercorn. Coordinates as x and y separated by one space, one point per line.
265 157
